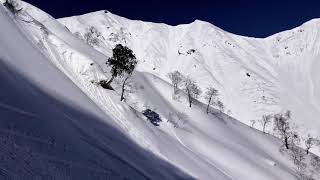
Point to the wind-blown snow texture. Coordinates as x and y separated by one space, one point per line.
55 123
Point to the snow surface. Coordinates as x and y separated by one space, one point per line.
58 123
282 68
50 129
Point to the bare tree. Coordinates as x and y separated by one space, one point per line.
192 90
309 143
210 96
266 119
282 127
176 79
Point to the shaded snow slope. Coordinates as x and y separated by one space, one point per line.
253 75
89 133
51 130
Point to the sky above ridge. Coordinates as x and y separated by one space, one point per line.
255 18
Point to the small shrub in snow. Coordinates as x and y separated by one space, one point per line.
220 105
229 112
152 116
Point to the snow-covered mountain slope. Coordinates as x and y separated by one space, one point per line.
255 77
74 129
51 130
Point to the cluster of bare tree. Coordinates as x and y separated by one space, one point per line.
92 36
283 128
307 165
190 87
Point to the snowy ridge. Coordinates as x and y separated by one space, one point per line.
248 72
109 138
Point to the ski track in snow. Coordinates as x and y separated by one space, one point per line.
17 110
212 164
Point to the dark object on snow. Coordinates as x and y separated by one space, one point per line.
248 75
105 84
152 116
11 6
191 51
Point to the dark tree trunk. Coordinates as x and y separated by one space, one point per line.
208 105
122 92
175 89
123 88
286 142
110 81
189 98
